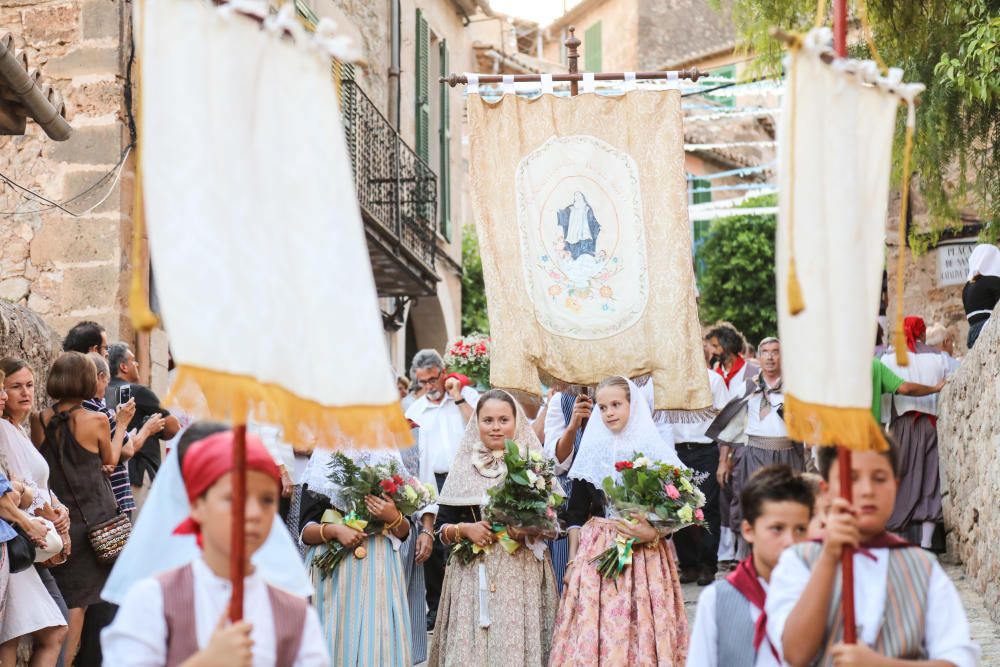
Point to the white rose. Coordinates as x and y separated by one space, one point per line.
641 462
540 483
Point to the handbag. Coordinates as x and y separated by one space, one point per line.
107 538
20 551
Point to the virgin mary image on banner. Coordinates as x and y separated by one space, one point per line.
579 227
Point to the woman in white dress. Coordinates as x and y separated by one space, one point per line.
30 609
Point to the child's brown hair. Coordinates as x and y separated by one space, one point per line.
827 455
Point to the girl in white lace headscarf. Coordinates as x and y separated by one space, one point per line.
639 616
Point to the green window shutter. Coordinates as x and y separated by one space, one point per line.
444 173
701 197
727 72
592 48
423 86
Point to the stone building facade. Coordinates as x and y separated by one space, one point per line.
70 265
406 45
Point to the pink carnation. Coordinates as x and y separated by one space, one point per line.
699 515
672 492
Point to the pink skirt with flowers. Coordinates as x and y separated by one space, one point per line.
637 619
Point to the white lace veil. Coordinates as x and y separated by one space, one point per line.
476 468
317 473
600 449
153 548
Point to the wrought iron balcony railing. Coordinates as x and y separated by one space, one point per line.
398 195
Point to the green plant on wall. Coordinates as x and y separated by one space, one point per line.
474 318
949 45
737 280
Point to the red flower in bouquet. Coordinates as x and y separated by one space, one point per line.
388 485
397 479
623 465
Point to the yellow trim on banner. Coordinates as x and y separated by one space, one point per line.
306 423
814 424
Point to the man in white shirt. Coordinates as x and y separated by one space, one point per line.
441 415
755 429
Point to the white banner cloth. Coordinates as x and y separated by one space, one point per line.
257 244
833 195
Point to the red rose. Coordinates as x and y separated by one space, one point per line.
388 486
397 479
622 465
480 348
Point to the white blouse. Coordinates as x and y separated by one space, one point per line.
138 635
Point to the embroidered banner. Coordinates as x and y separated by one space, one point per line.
257 244
581 212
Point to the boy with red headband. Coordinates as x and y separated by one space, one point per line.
907 611
730 625
180 617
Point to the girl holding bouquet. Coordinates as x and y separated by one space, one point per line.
638 617
362 600
497 608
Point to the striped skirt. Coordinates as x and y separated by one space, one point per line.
362 608
416 594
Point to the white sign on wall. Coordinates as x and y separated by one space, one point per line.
953 262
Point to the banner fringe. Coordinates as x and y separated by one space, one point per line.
306 423
815 424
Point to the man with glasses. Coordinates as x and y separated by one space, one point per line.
441 415
87 337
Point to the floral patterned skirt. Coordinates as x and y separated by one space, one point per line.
522 608
637 619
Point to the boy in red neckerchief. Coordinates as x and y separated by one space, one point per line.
730 625
907 610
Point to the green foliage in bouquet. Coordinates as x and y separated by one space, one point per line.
525 501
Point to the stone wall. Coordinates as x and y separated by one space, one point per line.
969 443
23 334
64 267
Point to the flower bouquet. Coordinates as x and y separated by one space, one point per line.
470 356
666 495
526 501
385 479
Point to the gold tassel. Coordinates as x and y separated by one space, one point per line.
796 302
143 318
898 335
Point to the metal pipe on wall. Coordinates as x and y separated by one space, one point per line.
394 61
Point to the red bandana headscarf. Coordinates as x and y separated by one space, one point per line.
209 459
914 328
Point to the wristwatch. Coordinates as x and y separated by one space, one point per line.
460 401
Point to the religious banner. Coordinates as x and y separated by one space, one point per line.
581 213
258 250
835 139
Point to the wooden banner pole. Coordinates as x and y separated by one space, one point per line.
844 454
237 537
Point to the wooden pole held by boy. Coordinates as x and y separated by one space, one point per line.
843 453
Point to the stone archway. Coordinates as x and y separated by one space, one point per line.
429 326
